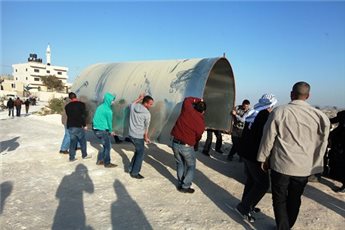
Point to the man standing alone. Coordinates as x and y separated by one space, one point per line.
139 121
76 124
187 132
293 144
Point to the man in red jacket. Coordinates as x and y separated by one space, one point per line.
186 133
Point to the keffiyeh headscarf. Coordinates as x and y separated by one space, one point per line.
266 101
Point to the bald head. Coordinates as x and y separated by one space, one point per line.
300 91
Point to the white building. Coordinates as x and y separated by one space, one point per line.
29 74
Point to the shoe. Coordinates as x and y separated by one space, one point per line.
100 163
137 176
87 156
186 190
219 151
64 152
71 160
118 141
77 148
246 216
110 165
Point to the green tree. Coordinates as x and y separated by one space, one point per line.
52 82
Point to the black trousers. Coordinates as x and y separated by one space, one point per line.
286 194
256 185
208 141
235 145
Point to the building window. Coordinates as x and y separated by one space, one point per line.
16 78
13 85
16 70
26 69
48 71
26 78
36 70
60 73
36 79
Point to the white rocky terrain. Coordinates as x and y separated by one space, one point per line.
41 189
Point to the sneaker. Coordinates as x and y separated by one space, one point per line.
246 216
110 165
100 163
187 190
71 160
137 176
87 156
64 152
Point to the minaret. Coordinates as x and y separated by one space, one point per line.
48 54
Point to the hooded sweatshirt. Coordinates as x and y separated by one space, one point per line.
139 120
103 118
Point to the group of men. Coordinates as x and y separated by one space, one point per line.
17 103
290 140
102 126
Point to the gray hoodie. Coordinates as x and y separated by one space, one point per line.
139 120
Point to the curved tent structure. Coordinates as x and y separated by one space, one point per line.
168 82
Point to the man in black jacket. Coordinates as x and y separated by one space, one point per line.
257 182
76 125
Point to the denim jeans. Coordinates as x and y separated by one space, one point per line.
11 111
77 135
66 141
185 164
137 159
18 110
286 195
256 185
103 154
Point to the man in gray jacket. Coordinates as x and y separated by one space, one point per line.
293 144
139 121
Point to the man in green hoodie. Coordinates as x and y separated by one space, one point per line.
103 128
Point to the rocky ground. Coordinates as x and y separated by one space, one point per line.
41 189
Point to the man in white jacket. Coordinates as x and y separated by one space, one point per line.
293 145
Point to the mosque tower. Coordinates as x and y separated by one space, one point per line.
48 55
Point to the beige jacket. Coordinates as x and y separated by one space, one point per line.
295 139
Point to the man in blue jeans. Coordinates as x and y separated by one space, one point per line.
186 133
139 121
103 128
76 124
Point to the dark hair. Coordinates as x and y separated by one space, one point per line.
72 95
200 106
147 98
245 102
301 89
